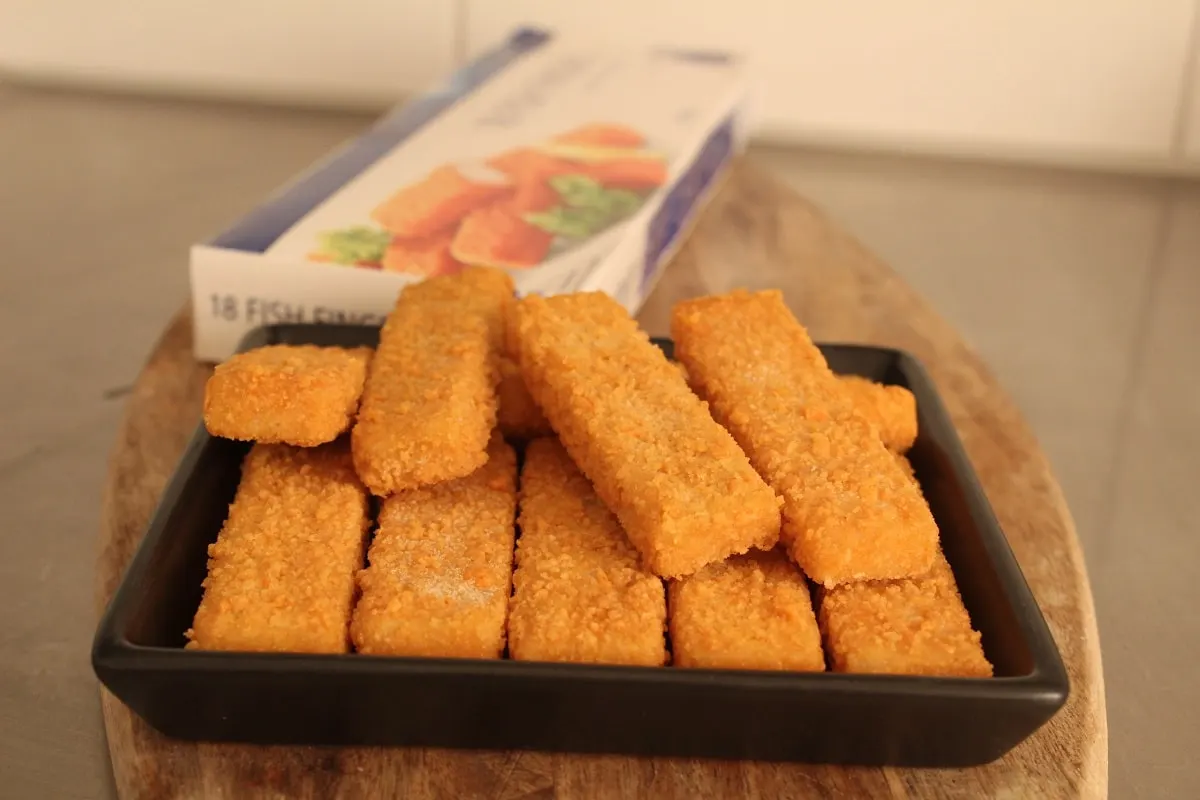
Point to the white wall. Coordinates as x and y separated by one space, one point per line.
1085 77
350 52
1092 81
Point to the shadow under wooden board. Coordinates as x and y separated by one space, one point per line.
755 234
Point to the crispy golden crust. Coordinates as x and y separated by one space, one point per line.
281 573
680 486
297 394
891 409
440 567
580 593
519 417
916 626
429 405
750 612
849 512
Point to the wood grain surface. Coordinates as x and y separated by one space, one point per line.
756 234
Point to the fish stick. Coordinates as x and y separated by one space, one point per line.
580 593
519 417
429 405
440 567
295 394
526 164
681 488
750 612
891 409
425 257
439 201
281 573
915 626
849 512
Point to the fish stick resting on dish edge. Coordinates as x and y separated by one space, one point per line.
677 482
849 513
749 612
297 394
440 567
429 405
281 573
580 593
914 626
891 409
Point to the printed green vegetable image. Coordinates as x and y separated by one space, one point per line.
587 208
360 244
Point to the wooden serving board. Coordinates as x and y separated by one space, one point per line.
756 234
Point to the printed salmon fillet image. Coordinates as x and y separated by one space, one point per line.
497 237
601 134
281 573
527 164
438 202
628 173
425 257
532 195
297 394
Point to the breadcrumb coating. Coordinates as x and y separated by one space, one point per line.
580 593
519 417
296 394
281 573
429 405
750 612
440 567
915 626
849 512
678 483
891 409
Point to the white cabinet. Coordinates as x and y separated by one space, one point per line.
352 52
1086 80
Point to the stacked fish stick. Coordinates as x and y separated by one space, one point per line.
744 508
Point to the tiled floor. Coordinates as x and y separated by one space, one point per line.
1081 291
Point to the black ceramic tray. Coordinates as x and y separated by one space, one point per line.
354 700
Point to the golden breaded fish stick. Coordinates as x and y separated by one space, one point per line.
440 567
519 417
281 573
680 486
891 409
849 512
580 593
430 400
297 394
915 626
750 612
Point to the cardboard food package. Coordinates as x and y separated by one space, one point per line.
573 168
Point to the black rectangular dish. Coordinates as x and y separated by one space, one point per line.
360 700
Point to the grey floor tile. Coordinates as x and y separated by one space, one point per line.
1145 568
51 743
1044 272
